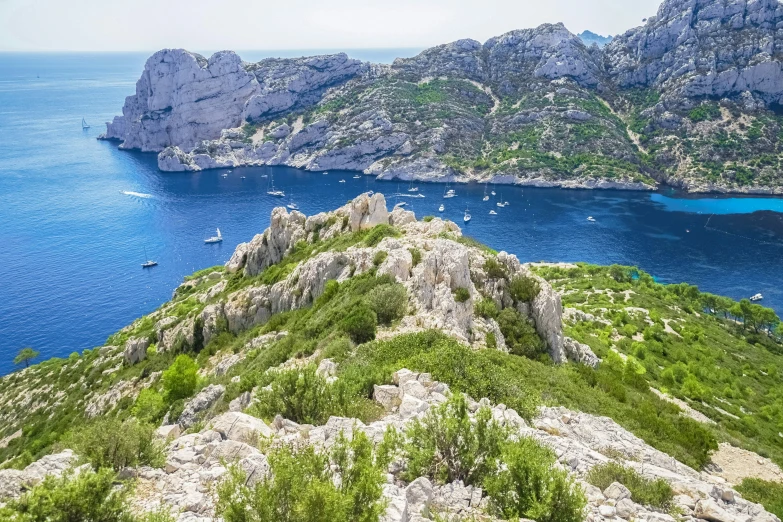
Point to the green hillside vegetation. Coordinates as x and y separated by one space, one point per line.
723 358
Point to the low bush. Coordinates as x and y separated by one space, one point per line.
389 302
305 397
415 255
461 295
494 269
521 337
149 406
654 493
380 257
768 494
88 496
109 442
180 379
530 486
361 325
447 446
486 308
303 486
524 289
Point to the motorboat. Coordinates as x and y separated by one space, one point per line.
757 297
441 208
214 239
493 213
591 218
467 216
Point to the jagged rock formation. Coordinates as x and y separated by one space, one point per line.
590 38
687 99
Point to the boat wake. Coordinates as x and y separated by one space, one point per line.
137 194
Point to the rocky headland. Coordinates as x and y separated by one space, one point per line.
365 324
690 99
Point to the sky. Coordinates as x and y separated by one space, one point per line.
149 25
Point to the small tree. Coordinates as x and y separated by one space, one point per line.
25 355
181 379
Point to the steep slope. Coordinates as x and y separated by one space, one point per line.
362 320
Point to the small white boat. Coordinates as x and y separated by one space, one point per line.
486 197
342 181
293 206
357 177
273 191
214 239
413 189
757 297
326 172
493 213
224 175
467 216
264 176
450 194
441 208
401 204
85 125
242 177
500 204
148 263
230 171
591 218
493 193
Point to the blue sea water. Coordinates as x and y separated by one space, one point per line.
78 216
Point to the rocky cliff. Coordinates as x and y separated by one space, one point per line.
691 99
400 316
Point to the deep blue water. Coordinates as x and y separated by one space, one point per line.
73 236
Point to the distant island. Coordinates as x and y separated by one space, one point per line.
691 99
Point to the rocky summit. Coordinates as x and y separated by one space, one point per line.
691 99
364 364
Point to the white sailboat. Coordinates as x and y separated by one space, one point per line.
411 188
214 239
486 197
342 181
272 190
148 263
291 205
493 213
467 217
85 125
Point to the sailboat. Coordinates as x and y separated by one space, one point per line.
291 205
85 125
493 190
272 191
467 216
411 188
148 263
450 193
493 213
500 203
214 239
486 197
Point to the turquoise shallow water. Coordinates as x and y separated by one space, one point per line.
77 215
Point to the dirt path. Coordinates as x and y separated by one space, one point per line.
738 464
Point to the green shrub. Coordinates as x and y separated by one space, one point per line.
380 257
530 486
768 494
302 486
461 294
149 406
109 442
378 233
655 493
305 397
88 496
389 302
705 112
427 219
521 337
492 342
415 255
524 289
495 269
621 274
360 325
486 308
180 379
446 446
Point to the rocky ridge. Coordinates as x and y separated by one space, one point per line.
688 99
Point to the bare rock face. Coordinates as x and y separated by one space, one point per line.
201 402
183 98
14 482
704 48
